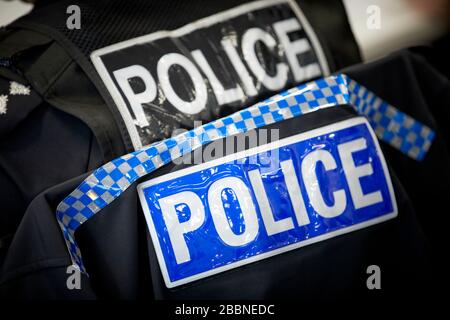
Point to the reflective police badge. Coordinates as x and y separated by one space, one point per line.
239 209
208 68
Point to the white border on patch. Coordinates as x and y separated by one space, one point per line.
246 153
202 23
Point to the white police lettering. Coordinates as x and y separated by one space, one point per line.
251 37
293 186
136 100
228 60
218 212
223 96
313 188
242 193
354 173
293 49
272 226
177 229
322 183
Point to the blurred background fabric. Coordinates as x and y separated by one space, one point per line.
11 10
404 23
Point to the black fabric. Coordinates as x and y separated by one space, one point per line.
47 251
26 168
15 107
41 145
52 73
59 131
437 54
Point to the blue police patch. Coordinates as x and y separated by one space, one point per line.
241 208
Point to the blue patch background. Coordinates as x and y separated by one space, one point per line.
208 251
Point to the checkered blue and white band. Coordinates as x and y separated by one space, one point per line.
109 181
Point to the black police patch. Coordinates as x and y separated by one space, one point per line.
208 68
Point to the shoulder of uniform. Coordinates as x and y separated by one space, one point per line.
17 100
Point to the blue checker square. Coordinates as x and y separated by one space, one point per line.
295 110
133 161
387 135
331 99
170 143
222 130
419 141
259 121
115 174
70 200
383 107
417 128
208 126
73 224
131 175
240 125
84 187
151 152
282 104
264 109
227 121
406 146
99 189
384 121
71 211
101 173
84 199
277 116
336 90
115 190
318 94
99 202
321 84
300 99
87 212
245 114
313 104
165 156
